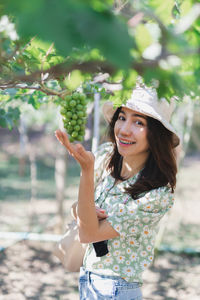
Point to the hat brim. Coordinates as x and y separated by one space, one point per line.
108 111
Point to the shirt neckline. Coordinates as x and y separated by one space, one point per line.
125 183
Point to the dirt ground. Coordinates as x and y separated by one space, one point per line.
28 269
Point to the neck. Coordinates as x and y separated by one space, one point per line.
133 166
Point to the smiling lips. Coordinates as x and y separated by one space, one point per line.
127 143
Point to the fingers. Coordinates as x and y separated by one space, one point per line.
101 213
63 139
76 150
80 149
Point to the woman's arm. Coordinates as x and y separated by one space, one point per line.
90 228
101 213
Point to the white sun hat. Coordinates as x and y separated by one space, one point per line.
145 101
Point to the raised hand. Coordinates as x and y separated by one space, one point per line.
83 157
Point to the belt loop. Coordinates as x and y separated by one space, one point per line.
89 276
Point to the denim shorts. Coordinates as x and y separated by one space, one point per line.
101 287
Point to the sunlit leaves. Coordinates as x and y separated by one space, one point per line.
166 88
99 5
73 24
73 81
163 9
9 117
143 37
88 33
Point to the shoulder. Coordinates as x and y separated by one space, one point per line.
160 198
103 149
163 191
102 156
103 152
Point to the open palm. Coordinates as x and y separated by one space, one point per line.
83 157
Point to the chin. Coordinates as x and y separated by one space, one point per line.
124 153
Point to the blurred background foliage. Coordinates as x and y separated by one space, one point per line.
49 49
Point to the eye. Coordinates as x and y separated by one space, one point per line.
121 117
139 123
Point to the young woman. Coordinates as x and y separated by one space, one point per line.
135 176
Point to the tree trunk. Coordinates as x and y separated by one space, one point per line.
23 140
60 173
33 175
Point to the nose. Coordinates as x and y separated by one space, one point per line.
126 128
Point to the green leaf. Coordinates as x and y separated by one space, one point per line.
74 80
163 9
10 117
14 112
3 122
2 112
143 37
34 101
73 24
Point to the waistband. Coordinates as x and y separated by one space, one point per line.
118 280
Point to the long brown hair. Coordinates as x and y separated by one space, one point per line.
160 168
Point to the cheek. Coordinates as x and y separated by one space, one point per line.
142 135
140 132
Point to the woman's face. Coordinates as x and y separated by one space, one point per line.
130 132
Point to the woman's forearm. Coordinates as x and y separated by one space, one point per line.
86 212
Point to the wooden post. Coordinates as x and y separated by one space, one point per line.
60 173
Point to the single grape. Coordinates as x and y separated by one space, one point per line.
82 127
69 114
66 119
81 132
80 113
79 107
72 103
74 134
80 121
77 128
75 96
63 111
83 101
70 130
71 139
73 122
79 138
74 117
68 98
82 97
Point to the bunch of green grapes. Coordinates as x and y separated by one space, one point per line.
73 110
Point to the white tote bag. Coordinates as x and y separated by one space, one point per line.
69 250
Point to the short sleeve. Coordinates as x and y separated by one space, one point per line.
101 158
122 217
155 204
142 215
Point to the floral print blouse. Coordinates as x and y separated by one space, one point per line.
135 220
